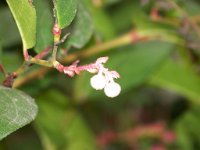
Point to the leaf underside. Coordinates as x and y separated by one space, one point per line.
16 110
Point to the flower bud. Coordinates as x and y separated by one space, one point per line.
98 81
112 89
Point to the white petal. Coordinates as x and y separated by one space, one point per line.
98 82
112 89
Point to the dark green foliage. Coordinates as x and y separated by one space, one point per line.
154 45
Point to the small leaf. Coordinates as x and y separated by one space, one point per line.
16 110
82 28
25 17
103 24
44 36
66 11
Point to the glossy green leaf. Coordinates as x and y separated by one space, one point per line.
16 110
44 36
25 17
179 78
60 126
134 63
66 11
82 28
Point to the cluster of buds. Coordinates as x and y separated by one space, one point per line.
103 78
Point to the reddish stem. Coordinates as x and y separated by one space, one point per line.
86 67
8 82
43 53
2 70
26 55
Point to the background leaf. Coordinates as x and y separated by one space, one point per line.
82 28
44 36
178 77
104 28
187 128
71 132
66 11
16 110
9 34
25 17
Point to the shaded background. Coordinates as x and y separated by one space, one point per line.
158 108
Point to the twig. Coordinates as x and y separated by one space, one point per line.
2 70
126 39
63 39
123 40
43 53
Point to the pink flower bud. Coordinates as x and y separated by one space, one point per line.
102 60
56 30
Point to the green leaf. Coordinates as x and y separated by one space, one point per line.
82 28
103 24
25 17
183 138
9 34
16 110
120 13
134 63
60 126
44 36
66 11
177 77
187 128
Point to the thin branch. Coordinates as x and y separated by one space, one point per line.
63 39
2 70
126 39
43 53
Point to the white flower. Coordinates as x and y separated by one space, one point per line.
112 89
98 81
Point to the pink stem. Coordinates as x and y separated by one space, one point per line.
2 70
43 53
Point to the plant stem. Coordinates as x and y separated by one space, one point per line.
41 62
126 39
129 38
54 54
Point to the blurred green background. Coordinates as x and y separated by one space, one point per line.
158 108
